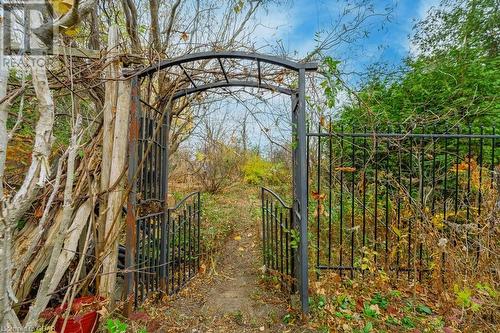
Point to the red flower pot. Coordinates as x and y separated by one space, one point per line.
83 317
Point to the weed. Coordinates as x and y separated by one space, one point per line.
392 321
367 328
379 300
345 302
424 309
464 298
324 329
238 317
116 326
369 311
407 322
288 319
395 294
317 302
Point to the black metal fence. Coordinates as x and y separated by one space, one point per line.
279 239
168 248
398 201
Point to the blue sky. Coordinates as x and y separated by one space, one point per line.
296 23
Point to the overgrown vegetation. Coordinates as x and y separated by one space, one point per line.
450 82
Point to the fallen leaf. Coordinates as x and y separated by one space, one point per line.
392 310
318 196
322 121
320 211
139 316
237 238
375 308
345 169
103 312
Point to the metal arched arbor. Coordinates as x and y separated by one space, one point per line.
228 79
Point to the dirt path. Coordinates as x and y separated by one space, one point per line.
231 295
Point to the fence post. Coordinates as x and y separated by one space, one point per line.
299 138
166 217
131 237
263 228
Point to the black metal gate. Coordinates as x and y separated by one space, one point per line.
279 239
168 248
167 240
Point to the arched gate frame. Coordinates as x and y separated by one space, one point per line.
299 141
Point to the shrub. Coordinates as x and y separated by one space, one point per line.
217 166
258 171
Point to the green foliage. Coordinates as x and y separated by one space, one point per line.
407 322
469 24
288 319
259 171
463 298
20 224
485 287
392 321
424 309
345 302
368 327
369 311
437 323
318 302
255 170
454 78
238 317
379 300
295 239
331 83
116 326
395 294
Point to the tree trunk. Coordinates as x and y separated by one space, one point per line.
12 210
53 274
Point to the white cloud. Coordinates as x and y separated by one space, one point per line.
284 23
425 6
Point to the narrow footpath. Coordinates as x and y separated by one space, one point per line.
231 295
